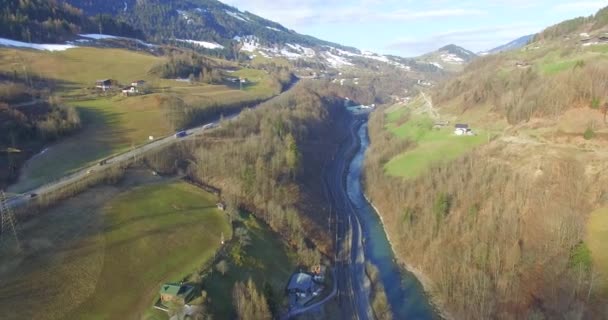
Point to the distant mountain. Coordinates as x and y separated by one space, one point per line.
513 45
224 30
449 58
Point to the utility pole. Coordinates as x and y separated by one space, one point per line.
8 221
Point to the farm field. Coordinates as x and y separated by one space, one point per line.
433 145
115 123
104 254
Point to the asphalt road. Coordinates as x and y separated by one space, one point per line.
353 287
121 158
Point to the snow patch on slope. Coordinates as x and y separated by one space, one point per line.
204 44
336 61
274 29
237 15
35 46
98 36
451 58
437 65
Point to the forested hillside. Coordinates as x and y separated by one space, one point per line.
499 220
54 21
268 162
29 118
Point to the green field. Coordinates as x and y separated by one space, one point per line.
597 240
265 260
114 123
433 146
91 258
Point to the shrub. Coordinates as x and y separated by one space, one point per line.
581 257
442 205
595 103
589 134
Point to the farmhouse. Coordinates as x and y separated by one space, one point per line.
221 206
301 284
131 90
461 129
303 287
104 84
175 293
138 83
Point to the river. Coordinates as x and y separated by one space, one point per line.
405 293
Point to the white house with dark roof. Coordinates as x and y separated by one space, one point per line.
462 129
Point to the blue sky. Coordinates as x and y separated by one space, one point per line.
410 28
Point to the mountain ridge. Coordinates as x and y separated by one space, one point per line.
511 45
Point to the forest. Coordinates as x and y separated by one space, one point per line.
506 232
54 21
265 162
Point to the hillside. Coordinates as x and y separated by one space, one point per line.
512 216
51 21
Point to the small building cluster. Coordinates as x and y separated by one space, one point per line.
587 40
135 88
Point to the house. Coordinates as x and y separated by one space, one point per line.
221 206
105 84
522 64
176 293
138 83
301 284
303 287
461 129
131 90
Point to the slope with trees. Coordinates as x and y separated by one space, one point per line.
502 230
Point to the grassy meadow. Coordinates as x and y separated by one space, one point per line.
432 145
597 240
104 254
114 123
265 260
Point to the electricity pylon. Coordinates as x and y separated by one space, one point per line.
8 221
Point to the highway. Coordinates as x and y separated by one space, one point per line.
117 159
353 286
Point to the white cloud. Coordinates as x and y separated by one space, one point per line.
294 13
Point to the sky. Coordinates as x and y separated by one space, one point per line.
410 28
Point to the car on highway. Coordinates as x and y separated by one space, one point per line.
181 134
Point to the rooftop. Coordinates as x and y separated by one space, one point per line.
175 289
300 281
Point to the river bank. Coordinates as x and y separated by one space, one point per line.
426 282
405 293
